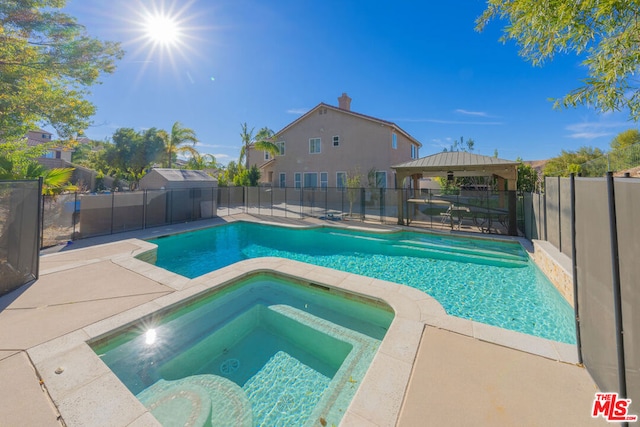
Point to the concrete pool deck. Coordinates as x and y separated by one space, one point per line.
432 368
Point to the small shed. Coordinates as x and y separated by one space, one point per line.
172 179
176 195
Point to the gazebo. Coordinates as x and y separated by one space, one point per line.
463 164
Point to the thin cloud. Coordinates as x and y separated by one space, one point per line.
590 130
472 113
589 135
298 111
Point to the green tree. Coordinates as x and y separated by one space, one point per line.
527 177
247 137
625 139
229 174
47 64
181 140
353 180
569 162
253 176
18 161
603 32
462 145
132 153
83 152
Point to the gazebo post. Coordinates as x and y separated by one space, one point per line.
512 200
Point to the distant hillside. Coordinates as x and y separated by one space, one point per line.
538 165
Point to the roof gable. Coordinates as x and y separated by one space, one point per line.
351 113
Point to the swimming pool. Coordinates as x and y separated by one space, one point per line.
261 351
487 281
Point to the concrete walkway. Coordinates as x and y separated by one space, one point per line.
456 379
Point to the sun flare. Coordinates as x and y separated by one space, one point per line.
162 29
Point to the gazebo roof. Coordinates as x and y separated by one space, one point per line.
458 163
454 159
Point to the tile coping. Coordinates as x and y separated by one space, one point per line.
76 377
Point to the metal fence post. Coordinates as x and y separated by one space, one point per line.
40 232
559 217
617 298
41 202
362 203
144 209
382 204
113 200
74 215
575 266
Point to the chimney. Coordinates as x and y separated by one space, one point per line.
344 102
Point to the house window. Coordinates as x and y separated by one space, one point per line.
336 141
310 180
297 180
44 136
280 145
314 145
283 179
324 180
267 156
58 155
394 141
48 155
341 180
414 152
381 179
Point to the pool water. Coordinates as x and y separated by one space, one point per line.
263 351
487 281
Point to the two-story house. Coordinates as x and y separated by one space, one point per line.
327 144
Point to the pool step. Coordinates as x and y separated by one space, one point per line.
492 259
466 250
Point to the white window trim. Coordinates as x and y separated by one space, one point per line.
338 185
297 180
304 181
319 145
394 140
282 146
280 180
326 182
385 179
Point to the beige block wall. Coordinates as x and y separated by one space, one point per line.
364 144
556 266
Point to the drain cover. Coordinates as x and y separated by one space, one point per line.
285 403
229 366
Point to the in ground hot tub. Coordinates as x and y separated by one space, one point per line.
262 351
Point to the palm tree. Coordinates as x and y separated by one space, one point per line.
264 142
202 161
176 142
54 181
247 138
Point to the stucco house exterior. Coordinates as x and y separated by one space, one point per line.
323 146
37 137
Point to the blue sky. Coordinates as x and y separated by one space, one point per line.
419 64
